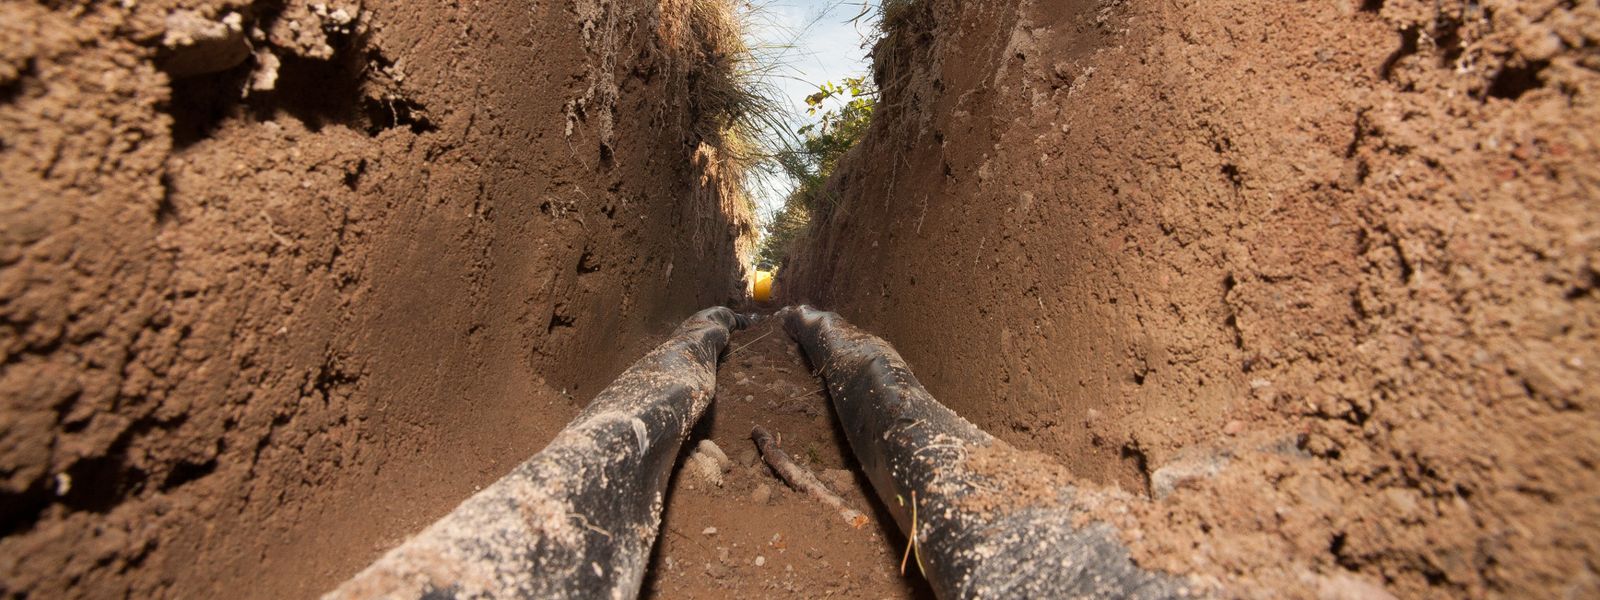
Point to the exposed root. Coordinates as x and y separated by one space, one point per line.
800 478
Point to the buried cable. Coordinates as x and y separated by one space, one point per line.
990 521
578 519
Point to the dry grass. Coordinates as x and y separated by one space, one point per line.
736 114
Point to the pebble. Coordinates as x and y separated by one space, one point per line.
761 561
709 531
197 45
762 495
1233 428
706 468
710 448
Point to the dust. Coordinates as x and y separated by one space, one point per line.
1006 479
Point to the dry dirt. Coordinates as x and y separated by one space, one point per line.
1346 252
282 282
805 548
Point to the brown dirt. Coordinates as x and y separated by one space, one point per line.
257 324
1351 246
283 281
807 549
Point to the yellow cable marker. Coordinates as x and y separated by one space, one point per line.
761 291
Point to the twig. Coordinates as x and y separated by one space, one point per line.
801 479
731 352
805 392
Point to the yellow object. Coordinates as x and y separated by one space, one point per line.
762 290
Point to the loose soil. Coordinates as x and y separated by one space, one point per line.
805 548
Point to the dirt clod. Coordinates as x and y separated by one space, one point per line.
762 495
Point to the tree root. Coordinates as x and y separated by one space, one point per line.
801 479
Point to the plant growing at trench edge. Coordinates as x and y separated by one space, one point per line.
844 113
841 127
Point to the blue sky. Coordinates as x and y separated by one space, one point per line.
818 42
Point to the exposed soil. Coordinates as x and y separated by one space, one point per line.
1333 262
713 535
282 282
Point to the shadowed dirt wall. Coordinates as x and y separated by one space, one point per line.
1346 252
281 282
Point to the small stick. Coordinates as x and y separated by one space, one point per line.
799 478
763 336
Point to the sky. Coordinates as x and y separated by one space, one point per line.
817 41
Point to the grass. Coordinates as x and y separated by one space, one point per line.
739 111
847 112
735 95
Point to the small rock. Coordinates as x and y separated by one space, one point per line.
197 45
265 77
706 467
708 531
1233 428
716 571
1092 416
761 561
747 457
710 448
1190 464
762 495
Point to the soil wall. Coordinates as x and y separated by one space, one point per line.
281 282
1342 255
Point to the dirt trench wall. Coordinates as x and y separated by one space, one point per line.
281 282
1345 253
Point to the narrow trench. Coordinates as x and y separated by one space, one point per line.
749 534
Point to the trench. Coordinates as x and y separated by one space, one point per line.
715 531
1302 295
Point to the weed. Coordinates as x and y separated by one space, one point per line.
845 114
